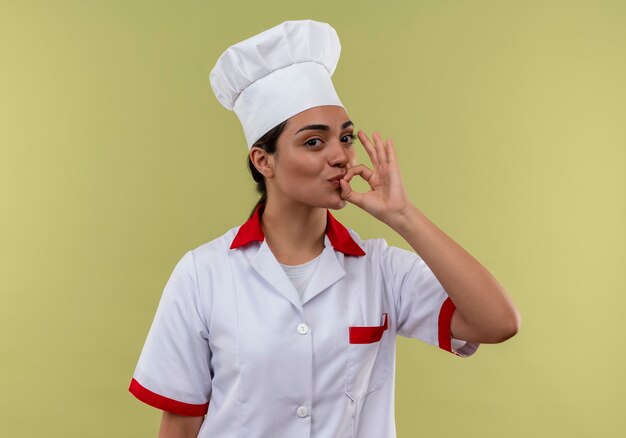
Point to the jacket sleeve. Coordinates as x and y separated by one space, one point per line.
173 371
423 308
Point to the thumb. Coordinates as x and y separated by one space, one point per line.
350 195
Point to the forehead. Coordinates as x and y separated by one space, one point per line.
331 115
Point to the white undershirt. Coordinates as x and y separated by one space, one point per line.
300 275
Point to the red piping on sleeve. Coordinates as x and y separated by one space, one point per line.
445 318
166 404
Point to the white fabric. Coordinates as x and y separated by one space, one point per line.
300 275
231 331
276 74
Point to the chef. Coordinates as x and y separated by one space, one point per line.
285 326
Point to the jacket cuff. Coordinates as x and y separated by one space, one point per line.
166 404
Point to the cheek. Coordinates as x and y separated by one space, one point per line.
352 157
300 172
306 167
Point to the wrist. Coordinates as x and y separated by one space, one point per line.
403 218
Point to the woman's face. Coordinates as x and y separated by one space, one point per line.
314 147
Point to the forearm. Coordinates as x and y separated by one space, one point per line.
179 426
487 312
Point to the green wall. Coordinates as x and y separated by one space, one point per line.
509 118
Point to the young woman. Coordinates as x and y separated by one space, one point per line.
285 326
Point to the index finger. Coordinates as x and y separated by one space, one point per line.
369 147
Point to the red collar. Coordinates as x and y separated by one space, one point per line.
338 235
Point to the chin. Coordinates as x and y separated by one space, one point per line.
335 202
338 204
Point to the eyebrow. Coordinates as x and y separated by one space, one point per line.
324 127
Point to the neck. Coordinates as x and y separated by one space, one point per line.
293 231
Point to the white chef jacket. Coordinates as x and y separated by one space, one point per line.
232 338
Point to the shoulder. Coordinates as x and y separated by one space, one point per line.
378 247
216 249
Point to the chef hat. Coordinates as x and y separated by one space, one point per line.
277 74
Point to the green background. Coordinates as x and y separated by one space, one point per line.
509 119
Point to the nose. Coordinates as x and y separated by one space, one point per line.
339 154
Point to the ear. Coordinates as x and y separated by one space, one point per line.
263 161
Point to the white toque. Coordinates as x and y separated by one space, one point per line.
277 74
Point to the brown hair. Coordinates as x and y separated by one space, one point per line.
268 143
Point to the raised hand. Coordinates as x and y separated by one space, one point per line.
387 197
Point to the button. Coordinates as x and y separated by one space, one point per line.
302 411
303 329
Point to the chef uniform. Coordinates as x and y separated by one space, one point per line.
264 356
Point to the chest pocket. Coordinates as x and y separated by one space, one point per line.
368 359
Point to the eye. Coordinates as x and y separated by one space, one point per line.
308 142
351 136
311 141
